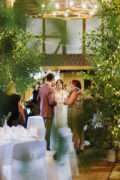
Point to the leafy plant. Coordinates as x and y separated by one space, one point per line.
104 45
20 54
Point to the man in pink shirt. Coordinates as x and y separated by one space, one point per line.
46 97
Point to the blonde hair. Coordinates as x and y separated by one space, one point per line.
10 88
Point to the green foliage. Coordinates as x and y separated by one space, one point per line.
19 54
104 44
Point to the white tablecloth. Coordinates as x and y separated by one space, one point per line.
34 121
9 137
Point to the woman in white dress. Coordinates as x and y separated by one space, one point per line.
60 117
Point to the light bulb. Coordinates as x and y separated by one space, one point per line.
57 6
66 14
95 6
71 3
54 14
84 6
91 13
43 6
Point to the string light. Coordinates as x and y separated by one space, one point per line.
84 6
43 5
87 11
57 6
68 11
54 14
66 14
91 13
95 6
71 3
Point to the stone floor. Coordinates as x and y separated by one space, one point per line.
115 173
98 171
93 166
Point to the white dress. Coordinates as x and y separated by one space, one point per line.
60 117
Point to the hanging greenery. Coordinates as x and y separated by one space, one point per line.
20 54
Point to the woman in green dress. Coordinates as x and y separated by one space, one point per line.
75 114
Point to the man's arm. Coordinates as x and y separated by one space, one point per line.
21 111
51 98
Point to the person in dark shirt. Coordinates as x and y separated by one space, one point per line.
34 94
14 107
35 104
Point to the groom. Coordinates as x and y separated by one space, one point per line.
46 97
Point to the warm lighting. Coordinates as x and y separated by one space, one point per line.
91 13
10 3
66 14
57 6
84 6
95 6
68 11
71 3
54 14
72 9
43 6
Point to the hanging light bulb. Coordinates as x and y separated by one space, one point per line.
91 13
71 3
84 6
43 5
95 6
54 14
66 14
57 6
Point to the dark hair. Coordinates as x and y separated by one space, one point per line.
43 80
61 81
50 77
76 83
33 87
38 82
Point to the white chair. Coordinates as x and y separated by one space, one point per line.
28 161
34 121
6 151
41 132
59 169
38 123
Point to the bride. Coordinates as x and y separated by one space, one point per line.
60 117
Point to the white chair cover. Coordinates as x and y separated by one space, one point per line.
61 167
28 162
34 121
41 132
